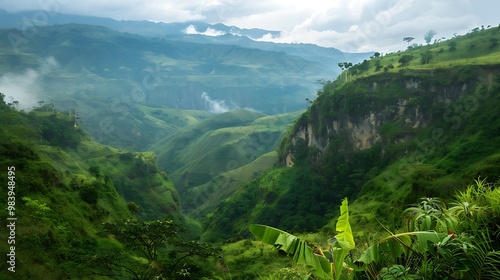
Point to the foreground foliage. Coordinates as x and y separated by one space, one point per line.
436 241
324 264
160 252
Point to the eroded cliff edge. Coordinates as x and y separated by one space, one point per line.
385 109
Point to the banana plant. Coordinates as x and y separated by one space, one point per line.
324 264
405 243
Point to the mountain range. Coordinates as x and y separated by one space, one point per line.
196 31
133 84
65 62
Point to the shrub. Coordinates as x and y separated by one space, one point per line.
133 207
89 194
405 60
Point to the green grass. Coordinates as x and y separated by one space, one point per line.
202 199
173 118
471 49
196 155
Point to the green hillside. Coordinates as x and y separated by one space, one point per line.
475 48
204 198
110 76
171 119
70 196
384 139
228 145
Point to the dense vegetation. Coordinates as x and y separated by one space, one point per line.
401 135
413 160
109 75
434 239
382 138
77 203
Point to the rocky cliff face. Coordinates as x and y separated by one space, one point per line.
389 109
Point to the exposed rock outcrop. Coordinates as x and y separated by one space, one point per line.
409 102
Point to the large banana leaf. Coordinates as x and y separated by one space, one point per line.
343 227
301 252
397 244
329 267
343 241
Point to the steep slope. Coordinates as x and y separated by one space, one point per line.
63 186
425 128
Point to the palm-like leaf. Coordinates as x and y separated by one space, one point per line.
430 214
482 262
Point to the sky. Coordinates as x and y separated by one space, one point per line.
348 25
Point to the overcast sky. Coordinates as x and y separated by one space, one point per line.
349 25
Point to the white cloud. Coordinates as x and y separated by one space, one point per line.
356 25
191 29
378 25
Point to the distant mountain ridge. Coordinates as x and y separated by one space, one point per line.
107 74
141 27
227 35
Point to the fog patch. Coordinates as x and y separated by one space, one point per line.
23 87
215 106
221 106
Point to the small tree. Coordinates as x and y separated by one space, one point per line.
133 207
408 39
344 66
405 59
341 65
426 57
347 65
144 237
363 66
429 35
453 45
158 243
95 171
